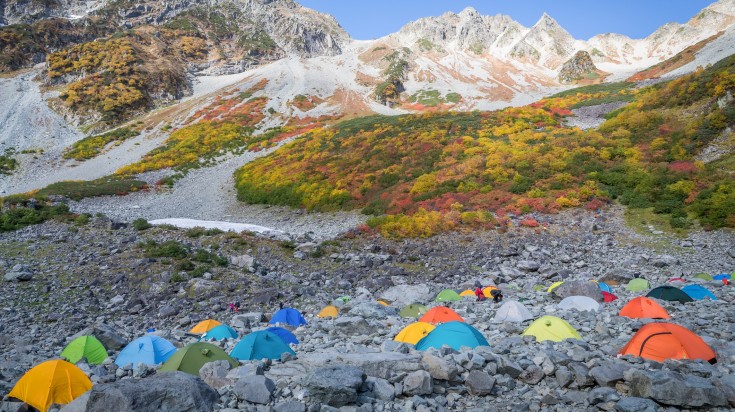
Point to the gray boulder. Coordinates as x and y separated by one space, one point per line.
166 391
371 310
334 385
244 261
636 405
609 374
255 389
617 277
214 373
289 406
528 265
18 273
579 288
352 325
675 389
106 334
248 320
417 383
403 295
380 389
439 368
479 383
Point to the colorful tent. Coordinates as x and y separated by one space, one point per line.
344 299
328 312
554 286
413 310
551 328
220 332
669 293
440 314
148 350
383 302
193 356
487 291
512 311
288 316
260 345
467 293
284 334
644 308
704 276
414 332
637 285
677 279
608 297
448 295
662 341
87 347
722 276
204 326
51 382
698 292
580 303
453 334
604 287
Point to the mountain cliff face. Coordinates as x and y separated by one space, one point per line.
577 68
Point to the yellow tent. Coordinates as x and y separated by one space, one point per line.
54 381
554 286
204 326
383 302
467 292
487 291
414 332
329 312
551 328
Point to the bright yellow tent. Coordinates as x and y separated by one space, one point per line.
487 291
467 292
554 286
328 312
204 326
54 381
414 332
551 328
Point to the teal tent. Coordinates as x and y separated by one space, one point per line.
698 292
453 334
260 345
669 293
220 332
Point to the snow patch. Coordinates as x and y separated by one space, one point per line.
212 224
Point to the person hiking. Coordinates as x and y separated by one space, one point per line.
497 295
232 307
237 307
479 294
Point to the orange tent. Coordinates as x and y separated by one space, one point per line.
643 307
440 314
486 291
661 341
204 326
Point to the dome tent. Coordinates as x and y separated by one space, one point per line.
551 328
328 312
662 341
670 293
580 303
637 285
220 332
512 311
414 332
448 295
87 347
453 334
284 334
643 308
704 276
148 350
440 314
202 327
288 316
413 310
608 297
193 356
698 292
54 381
260 345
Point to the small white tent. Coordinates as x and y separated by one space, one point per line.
512 311
580 303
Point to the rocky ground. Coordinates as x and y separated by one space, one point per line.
115 282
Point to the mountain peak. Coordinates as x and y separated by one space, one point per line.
546 21
469 11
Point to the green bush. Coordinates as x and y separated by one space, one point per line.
170 248
20 217
141 224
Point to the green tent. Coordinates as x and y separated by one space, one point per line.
539 288
344 299
192 357
87 347
551 328
448 295
637 285
413 310
704 276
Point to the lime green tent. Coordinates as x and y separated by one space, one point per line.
448 295
551 328
539 288
87 347
637 285
192 357
704 276
413 310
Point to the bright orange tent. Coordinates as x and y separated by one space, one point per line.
54 381
486 291
467 292
661 341
204 326
643 307
440 314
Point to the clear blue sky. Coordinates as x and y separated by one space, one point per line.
368 19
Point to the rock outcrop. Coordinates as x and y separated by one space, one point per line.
579 67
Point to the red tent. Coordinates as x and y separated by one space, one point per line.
608 297
677 280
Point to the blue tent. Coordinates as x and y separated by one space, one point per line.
698 292
722 276
288 316
605 287
220 332
284 334
454 334
149 350
260 345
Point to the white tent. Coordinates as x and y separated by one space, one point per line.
580 303
512 311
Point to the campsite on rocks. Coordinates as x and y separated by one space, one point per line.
234 205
